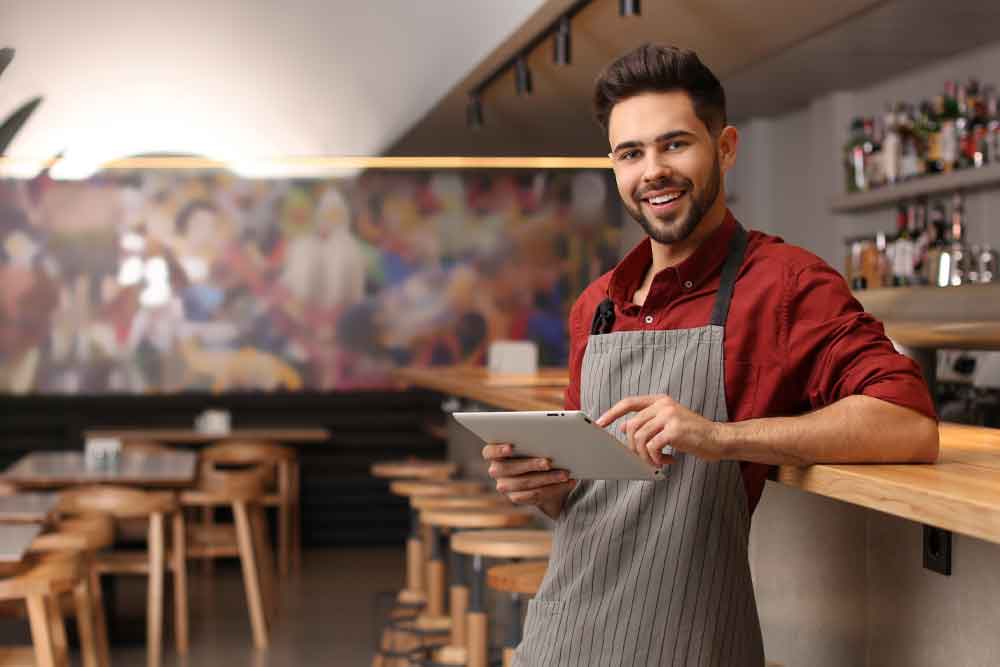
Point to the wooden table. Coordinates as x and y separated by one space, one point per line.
27 507
15 538
189 436
961 492
48 470
513 392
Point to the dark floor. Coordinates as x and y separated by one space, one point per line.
327 614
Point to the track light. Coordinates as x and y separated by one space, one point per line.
561 44
629 8
522 76
474 113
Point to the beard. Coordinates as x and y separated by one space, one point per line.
672 231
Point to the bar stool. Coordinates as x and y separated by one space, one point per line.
242 491
509 516
517 579
481 544
39 580
154 506
414 469
282 493
414 593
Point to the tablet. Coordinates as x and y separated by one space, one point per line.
567 437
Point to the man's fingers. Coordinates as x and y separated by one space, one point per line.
541 494
623 407
498 450
531 481
517 466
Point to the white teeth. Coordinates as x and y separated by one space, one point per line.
665 198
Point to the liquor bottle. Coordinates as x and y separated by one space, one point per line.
992 138
930 130
892 148
854 157
960 254
948 115
922 239
937 265
874 166
901 251
911 162
965 147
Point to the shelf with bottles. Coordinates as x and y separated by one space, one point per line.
952 143
928 248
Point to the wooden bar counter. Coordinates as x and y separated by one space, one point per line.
960 493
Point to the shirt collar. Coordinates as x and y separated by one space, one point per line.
703 264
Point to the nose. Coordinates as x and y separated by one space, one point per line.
656 167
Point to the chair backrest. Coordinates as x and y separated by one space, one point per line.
118 501
246 452
247 483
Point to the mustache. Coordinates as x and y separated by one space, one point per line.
664 184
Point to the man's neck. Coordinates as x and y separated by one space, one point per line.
666 255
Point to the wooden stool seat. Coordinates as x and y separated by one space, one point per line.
488 517
503 543
524 578
476 501
82 533
414 469
412 488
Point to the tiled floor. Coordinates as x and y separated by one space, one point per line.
326 617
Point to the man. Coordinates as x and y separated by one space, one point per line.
695 349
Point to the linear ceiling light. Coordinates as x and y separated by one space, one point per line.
562 51
629 8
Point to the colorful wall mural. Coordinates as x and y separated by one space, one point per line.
171 281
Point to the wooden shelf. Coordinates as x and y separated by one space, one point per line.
964 317
965 180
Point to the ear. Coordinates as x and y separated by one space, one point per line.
727 145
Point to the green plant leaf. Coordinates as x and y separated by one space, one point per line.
15 122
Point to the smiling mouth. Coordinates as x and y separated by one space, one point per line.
660 200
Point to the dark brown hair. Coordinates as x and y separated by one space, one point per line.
651 68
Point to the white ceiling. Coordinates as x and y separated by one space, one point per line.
237 79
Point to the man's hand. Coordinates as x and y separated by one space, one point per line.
528 481
660 421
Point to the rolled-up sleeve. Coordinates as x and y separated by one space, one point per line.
840 350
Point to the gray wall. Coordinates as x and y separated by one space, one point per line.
837 585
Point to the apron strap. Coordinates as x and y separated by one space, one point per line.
737 247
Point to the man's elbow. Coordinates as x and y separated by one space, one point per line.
926 441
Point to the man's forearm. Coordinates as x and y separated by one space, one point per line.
856 429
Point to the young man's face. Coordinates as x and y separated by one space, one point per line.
666 162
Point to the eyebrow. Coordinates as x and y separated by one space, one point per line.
667 136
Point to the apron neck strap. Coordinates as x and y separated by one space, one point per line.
737 247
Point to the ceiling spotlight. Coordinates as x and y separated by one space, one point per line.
474 113
629 8
561 53
522 76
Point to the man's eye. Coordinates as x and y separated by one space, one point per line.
628 155
675 145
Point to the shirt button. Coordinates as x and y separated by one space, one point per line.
649 319
688 284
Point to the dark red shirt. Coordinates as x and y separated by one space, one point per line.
796 339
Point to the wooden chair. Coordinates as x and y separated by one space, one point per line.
40 580
84 536
243 492
154 506
282 490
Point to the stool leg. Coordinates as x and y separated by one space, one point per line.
414 556
84 606
180 583
435 576
59 642
296 516
100 618
477 622
251 582
154 610
284 518
41 631
459 602
514 637
207 520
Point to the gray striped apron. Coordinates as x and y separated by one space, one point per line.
653 573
